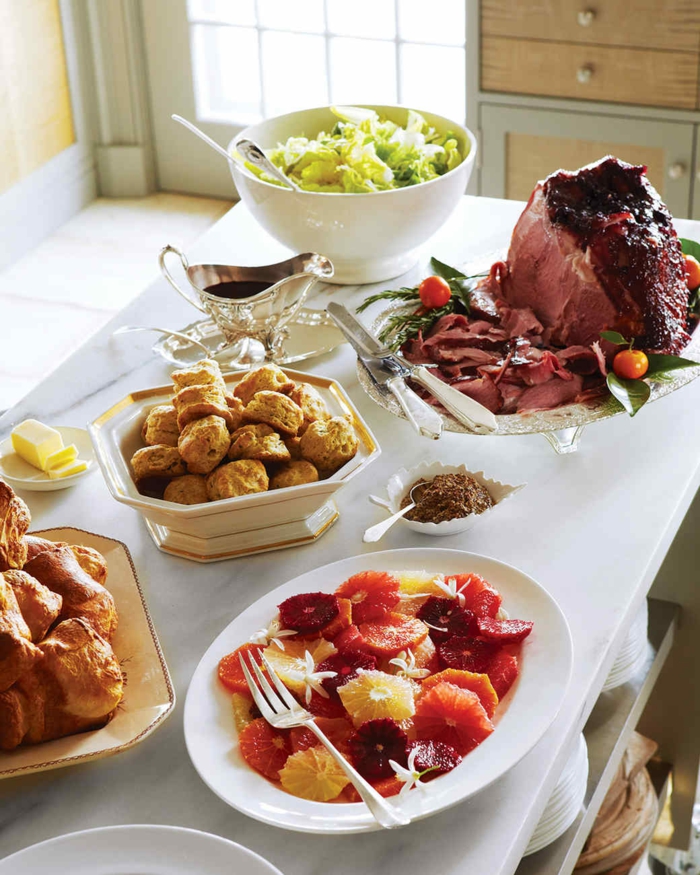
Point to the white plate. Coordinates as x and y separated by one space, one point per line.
137 850
21 475
528 710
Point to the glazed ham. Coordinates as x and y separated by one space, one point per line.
593 250
596 250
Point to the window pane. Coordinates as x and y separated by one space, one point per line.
363 71
424 66
294 72
225 67
288 15
224 11
374 18
425 25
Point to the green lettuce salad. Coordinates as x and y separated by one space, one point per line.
364 153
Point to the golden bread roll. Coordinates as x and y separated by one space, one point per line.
265 448
82 596
91 561
190 489
237 478
236 406
38 605
37 545
158 461
329 444
76 686
294 447
275 410
14 523
264 378
294 474
160 426
312 404
17 653
204 443
196 402
204 372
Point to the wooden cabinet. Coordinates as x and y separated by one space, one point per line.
561 83
522 145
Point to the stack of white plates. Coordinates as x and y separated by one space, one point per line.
633 653
565 802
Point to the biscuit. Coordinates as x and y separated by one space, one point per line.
266 448
235 405
294 474
312 404
160 426
294 446
204 443
158 461
265 378
189 489
329 444
196 402
204 372
242 477
276 410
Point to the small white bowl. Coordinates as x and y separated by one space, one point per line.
400 482
21 475
370 236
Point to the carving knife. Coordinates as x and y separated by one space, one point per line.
475 416
424 418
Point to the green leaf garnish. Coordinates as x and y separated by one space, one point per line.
444 270
690 247
403 294
632 394
659 364
614 337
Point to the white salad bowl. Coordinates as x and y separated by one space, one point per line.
369 236
231 527
400 482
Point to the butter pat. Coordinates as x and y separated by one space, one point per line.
61 457
35 442
74 467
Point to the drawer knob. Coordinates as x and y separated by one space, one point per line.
584 74
586 17
677 170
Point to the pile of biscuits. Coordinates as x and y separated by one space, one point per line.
210 444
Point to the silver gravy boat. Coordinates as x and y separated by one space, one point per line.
250 305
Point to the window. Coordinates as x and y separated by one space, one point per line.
259 58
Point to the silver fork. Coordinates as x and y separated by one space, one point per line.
284 712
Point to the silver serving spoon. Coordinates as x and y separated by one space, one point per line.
125 329
248 149
374 533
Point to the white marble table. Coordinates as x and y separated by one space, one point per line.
577 528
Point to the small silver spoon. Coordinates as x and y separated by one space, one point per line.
374 533
125 329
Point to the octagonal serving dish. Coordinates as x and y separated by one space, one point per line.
231 527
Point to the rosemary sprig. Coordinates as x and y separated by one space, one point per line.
403 294
403 326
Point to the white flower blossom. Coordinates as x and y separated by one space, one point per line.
406 663
410 776
450 589
311 678
271 635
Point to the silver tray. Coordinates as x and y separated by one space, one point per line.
562 426
311 333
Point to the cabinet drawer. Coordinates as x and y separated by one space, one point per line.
553 69
654 24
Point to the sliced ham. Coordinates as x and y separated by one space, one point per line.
552 394
483 390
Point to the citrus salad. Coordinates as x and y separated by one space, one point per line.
364 153
402 671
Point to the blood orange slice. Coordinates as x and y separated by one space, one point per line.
372 593
466 680
265 749
453 716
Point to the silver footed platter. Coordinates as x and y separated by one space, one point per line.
310 333
561 426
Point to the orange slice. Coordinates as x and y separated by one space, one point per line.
244 710
265 749
290 663
466 680
230 671
313 774
374 694
372 593
396 632
455 716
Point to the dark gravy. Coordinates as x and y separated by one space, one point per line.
233 290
